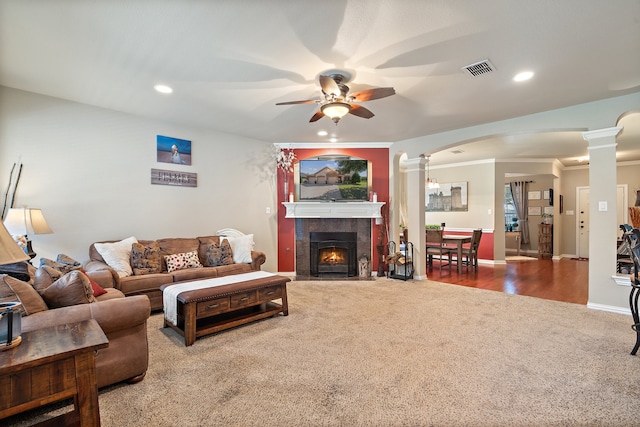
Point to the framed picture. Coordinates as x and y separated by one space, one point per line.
173 150
534 211
534 195
179 179
548 210
545 195
449 197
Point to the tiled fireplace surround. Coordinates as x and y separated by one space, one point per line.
305 226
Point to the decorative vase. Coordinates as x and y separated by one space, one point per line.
286 187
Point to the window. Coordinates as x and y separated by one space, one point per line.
510 215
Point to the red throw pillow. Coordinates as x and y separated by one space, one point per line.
97 289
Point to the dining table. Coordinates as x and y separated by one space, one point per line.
458 240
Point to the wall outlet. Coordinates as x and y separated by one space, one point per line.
268 210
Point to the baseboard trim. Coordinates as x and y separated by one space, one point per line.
609 308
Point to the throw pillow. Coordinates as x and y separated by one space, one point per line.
212 255
145 259
242 247
12 289
226 253
62 267
182 261
71 289
118 255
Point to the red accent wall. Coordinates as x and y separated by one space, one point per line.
379 158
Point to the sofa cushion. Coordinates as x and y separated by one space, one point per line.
143 284
118 255
12 289
195 274
71 289
145 259
182 261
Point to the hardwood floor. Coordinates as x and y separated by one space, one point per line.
565 280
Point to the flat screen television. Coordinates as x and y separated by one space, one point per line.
335 178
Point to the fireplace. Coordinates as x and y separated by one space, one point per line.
343 230
333 253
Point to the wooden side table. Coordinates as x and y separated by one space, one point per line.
50 365
545 240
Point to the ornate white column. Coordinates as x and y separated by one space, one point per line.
415 169
603 225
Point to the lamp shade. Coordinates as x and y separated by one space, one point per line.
26 221
10 252
335 110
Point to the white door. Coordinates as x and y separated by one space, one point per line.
583 215
583 222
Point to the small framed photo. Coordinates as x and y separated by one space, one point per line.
548 210
173 150
534 211
534 195
545 195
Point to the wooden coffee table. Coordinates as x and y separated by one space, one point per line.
50 365
208 310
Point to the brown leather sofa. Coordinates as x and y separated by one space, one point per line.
123 320
149 284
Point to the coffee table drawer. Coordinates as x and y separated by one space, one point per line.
243 299
272 292
214 306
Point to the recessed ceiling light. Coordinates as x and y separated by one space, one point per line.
333 139
323 133
163 88
525 75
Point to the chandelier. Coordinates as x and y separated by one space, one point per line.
431 183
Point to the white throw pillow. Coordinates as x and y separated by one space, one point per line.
118 255
241 248
230 233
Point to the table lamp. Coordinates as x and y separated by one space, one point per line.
10 314
25 222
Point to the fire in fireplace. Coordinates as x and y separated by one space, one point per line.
333 253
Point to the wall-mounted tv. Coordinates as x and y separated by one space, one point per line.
334 177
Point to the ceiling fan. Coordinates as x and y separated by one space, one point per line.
336 101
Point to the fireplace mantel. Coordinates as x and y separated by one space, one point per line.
333 209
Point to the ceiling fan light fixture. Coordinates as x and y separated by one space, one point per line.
335 110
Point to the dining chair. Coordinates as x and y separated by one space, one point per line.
436 247
470 253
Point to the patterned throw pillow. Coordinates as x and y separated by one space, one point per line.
212 255
145 259
63 264
226 253
182 261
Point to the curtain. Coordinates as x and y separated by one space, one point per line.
519 191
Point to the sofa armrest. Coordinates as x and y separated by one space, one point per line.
99 268
103 278
257 259
121 313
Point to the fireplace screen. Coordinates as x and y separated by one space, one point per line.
333 253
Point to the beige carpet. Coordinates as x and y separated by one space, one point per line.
391 353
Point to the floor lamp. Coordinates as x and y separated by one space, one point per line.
10 314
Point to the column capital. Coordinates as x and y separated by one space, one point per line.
601 133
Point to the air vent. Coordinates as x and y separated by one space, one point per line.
457 152
479 68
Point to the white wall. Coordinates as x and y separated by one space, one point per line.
88 169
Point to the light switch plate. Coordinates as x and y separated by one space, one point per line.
602 206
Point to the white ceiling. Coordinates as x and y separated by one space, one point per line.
229 62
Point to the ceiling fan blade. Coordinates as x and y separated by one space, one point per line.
329 86
360 111
317 116
307 101
376 93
